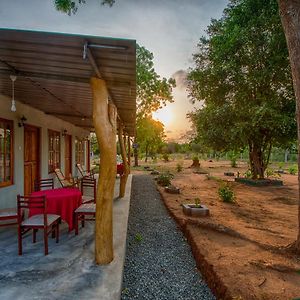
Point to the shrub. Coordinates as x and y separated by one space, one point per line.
166 157
269 172
226 193
248 174
179 167
293 169
233 162
164 179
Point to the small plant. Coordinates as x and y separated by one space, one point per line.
248 174
197 202
138 237
165 157
226 193
179 167
164 179
293 170
281 166
269 172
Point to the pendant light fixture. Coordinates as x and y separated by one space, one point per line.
13 102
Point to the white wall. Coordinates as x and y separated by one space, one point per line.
45 122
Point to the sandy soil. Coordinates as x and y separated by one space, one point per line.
240 246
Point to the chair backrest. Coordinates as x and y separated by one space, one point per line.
31 202
88 187
80 169
61 178
43 184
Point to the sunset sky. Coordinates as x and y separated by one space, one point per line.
168 28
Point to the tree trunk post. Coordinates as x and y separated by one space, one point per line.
125 174
129 153
105 120
290 18
136 154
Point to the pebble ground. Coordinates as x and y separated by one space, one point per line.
159 263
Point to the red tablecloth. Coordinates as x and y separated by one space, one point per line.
62 201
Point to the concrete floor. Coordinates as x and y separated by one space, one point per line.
69 271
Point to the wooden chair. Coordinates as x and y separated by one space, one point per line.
43 184
63 181
48 222
88 190
84 173
86 209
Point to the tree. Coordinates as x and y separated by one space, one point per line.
71 6
242 73
290 12
153 92
150 134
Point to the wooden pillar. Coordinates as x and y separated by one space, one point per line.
289 13
88 155
105 123
124 176
129 153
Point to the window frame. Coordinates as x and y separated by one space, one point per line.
51 167
11 127
80 151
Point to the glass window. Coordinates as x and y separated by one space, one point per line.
6 152
54 150
79 151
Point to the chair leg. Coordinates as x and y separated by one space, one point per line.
57 232
19 240
46 241
76 223
82 221
34 231
53 230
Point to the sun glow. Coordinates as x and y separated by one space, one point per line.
163 115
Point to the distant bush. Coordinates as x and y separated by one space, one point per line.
179 167
293 169
164 179
226 193
248 174
233 162
165 157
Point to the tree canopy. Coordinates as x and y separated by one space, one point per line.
153 92
150 135
242 74
71 6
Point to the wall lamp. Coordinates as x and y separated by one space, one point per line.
64 132
22 121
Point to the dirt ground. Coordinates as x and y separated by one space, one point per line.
239 247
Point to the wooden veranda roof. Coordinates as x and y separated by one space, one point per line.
53 72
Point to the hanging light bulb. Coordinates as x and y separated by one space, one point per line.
13 102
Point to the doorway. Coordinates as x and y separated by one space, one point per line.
31 157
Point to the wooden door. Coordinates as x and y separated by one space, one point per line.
68 155
31 157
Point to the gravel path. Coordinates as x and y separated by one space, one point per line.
159 263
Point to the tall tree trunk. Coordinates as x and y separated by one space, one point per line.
146 150
124 176
105 120
290 18
136 153
256 162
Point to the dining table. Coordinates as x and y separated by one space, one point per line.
60 201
